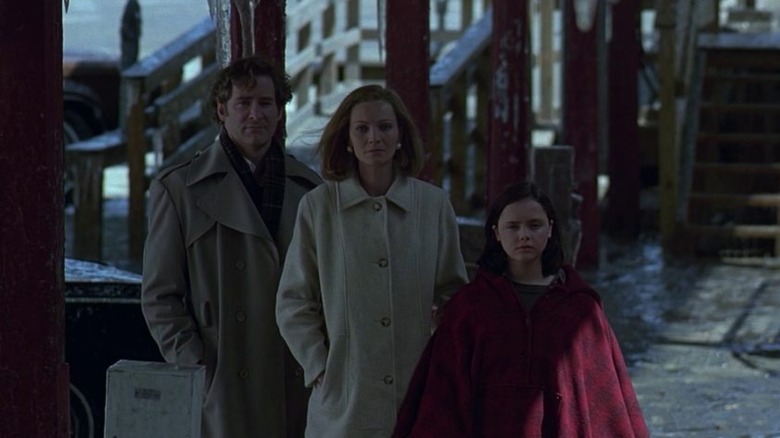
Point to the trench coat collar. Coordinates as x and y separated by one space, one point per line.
352 193
227 201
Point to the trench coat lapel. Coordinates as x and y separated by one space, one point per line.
227 200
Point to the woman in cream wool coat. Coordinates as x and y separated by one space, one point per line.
373 251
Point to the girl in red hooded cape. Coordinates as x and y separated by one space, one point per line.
525 349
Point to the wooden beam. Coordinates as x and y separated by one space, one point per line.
270 40
270 36
508 158
668 139
622 216
34 375
581 121
408 61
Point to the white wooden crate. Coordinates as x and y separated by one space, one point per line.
153 399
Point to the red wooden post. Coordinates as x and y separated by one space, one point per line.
408 60
33 372
270 39
236 46
622 217
270 35
581 107
508 157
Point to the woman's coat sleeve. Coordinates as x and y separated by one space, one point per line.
450 269
298 301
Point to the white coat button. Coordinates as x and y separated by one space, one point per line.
389 380
382 263
377 206
385 322
240 265
240 317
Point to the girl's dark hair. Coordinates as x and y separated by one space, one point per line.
243 72
338 163
493 258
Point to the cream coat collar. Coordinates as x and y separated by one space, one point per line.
351 193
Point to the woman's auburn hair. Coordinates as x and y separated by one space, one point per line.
337 163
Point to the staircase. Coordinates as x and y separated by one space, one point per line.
733 201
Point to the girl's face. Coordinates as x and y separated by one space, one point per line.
373 134
523 230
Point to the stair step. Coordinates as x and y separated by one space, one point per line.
742 107
722 76
739 41
751 168
751 200
739 137
742 231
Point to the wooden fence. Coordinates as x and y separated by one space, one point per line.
332 46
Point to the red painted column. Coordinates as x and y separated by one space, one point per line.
270 39
508 154
581 122
236 46
623 217
408 61
33 372
270 35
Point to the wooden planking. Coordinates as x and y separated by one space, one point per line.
743 138
749 200
730 76
742 107
741 231
747 168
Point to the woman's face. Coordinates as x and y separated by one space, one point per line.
373 134
523 230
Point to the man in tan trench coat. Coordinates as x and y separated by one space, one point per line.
219 228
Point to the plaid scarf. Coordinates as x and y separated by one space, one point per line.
266 185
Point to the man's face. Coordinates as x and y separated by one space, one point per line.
250 117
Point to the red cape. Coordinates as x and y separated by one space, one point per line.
492 369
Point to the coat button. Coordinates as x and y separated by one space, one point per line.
298 371
243 374
389 380
240 265
382 263
385 322
240 317
377 206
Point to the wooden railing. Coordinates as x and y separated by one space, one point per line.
163 110
678 23
460 89
332 46
159 98
322 53
460 83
